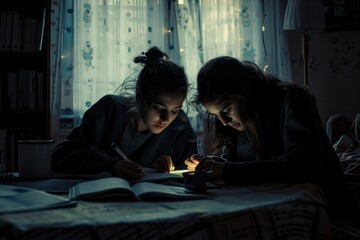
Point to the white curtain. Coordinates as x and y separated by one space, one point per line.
94 43
246 29
108 35
61 66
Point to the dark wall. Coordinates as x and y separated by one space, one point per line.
334 70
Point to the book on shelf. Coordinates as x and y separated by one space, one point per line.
2 30
12 97
41 30
29 39
114 188
22 90
16 29
8 32
19 32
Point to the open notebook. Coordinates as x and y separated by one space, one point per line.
115 188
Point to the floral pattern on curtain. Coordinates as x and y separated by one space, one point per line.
246 29
94 43
61 67
206 29
109 34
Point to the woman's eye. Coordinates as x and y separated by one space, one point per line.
214 116
226 109
175 112
157 108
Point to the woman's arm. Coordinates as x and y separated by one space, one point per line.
298 153
86 149
185 143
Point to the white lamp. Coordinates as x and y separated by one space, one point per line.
304 16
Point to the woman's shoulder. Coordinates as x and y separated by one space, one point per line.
182 117
116 100
298 93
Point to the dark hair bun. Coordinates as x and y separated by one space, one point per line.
140 59
152 54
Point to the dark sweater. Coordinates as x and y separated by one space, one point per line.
296 150
87 149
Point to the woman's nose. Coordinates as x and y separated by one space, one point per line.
164 116
224 120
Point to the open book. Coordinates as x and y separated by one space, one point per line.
118 188
19 199
152 175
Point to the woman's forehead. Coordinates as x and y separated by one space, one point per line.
216 107
170 100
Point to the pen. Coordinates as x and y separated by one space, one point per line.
121 153
118 150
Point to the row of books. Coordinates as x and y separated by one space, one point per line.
8 147
22 90
21 33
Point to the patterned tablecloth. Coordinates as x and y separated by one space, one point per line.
270 211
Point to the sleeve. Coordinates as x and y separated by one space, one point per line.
228 152
185 145
299 158
83 150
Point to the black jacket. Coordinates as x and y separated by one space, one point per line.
296 150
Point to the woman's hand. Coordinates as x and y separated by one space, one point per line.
164 164
214 168
192 162
128 170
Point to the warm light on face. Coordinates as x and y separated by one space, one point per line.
161 112
227 112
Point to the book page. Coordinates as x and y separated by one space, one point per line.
18 199
155 191
101 188
152 175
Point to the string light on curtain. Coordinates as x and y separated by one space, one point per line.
266 65
304 16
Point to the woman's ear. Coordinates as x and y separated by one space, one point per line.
138 95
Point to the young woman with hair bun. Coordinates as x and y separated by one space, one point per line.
150 128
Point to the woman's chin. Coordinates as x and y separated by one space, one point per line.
157 130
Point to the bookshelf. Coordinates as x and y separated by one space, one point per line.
24 76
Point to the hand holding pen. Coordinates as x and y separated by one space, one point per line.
126 168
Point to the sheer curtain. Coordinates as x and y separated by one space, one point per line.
61 66
109 34
94 43
246 29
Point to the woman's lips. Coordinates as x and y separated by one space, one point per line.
160 126
235 125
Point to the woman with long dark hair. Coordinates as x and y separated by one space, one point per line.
270 131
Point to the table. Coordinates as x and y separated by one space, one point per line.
265 211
